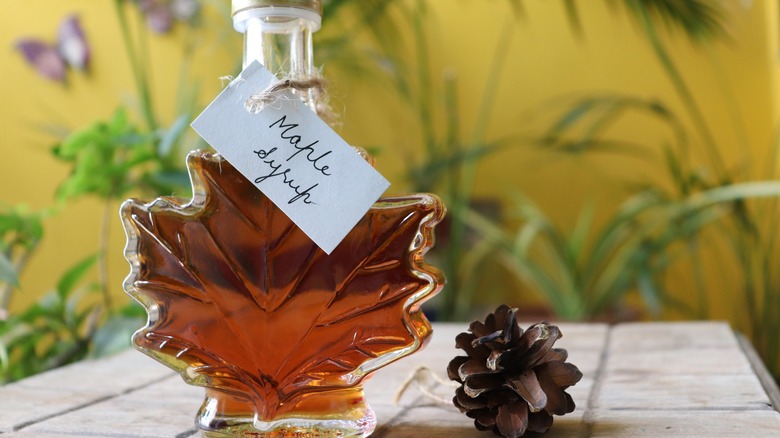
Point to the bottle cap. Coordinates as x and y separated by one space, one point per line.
308 5
271 10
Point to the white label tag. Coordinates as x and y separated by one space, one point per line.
320 182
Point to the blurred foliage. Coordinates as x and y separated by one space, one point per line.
708 200
21 232
110 158
444 159
699 20
64 326
50 333
107 159
587 273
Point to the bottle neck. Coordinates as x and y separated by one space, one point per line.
281 40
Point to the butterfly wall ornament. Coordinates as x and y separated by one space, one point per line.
52 60
162 14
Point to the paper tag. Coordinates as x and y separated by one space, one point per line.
321 183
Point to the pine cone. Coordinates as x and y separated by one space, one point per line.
511 381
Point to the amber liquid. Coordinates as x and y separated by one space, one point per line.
244 303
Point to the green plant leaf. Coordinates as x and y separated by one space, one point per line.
700 20
73 144
570 118
583 125
648 290
24 227
5 361
572 13
70 278
168 181
106 158
114 335
732 193
8 271
118 122
172 135
579 236
518 8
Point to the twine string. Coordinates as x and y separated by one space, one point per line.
276 92
426 381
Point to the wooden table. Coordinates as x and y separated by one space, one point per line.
640 380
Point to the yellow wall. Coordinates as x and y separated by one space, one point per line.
544 61
29 174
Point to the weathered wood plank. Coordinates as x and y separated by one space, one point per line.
427 420
766 379
689 392
686 424
655 336
677 366
165 409
74 387
588 337
23 434
704 361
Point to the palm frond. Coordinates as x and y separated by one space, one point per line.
699 20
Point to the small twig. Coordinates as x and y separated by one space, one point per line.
420 377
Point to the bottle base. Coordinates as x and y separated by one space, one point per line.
359 422
289 428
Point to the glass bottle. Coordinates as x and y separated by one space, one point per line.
242 302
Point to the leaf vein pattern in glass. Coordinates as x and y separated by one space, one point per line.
243 302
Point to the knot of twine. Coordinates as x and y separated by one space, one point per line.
277 92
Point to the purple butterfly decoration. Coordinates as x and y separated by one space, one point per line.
161 14
51 61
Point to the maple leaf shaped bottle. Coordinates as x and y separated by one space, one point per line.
243 303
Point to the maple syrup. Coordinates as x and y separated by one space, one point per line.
242 302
